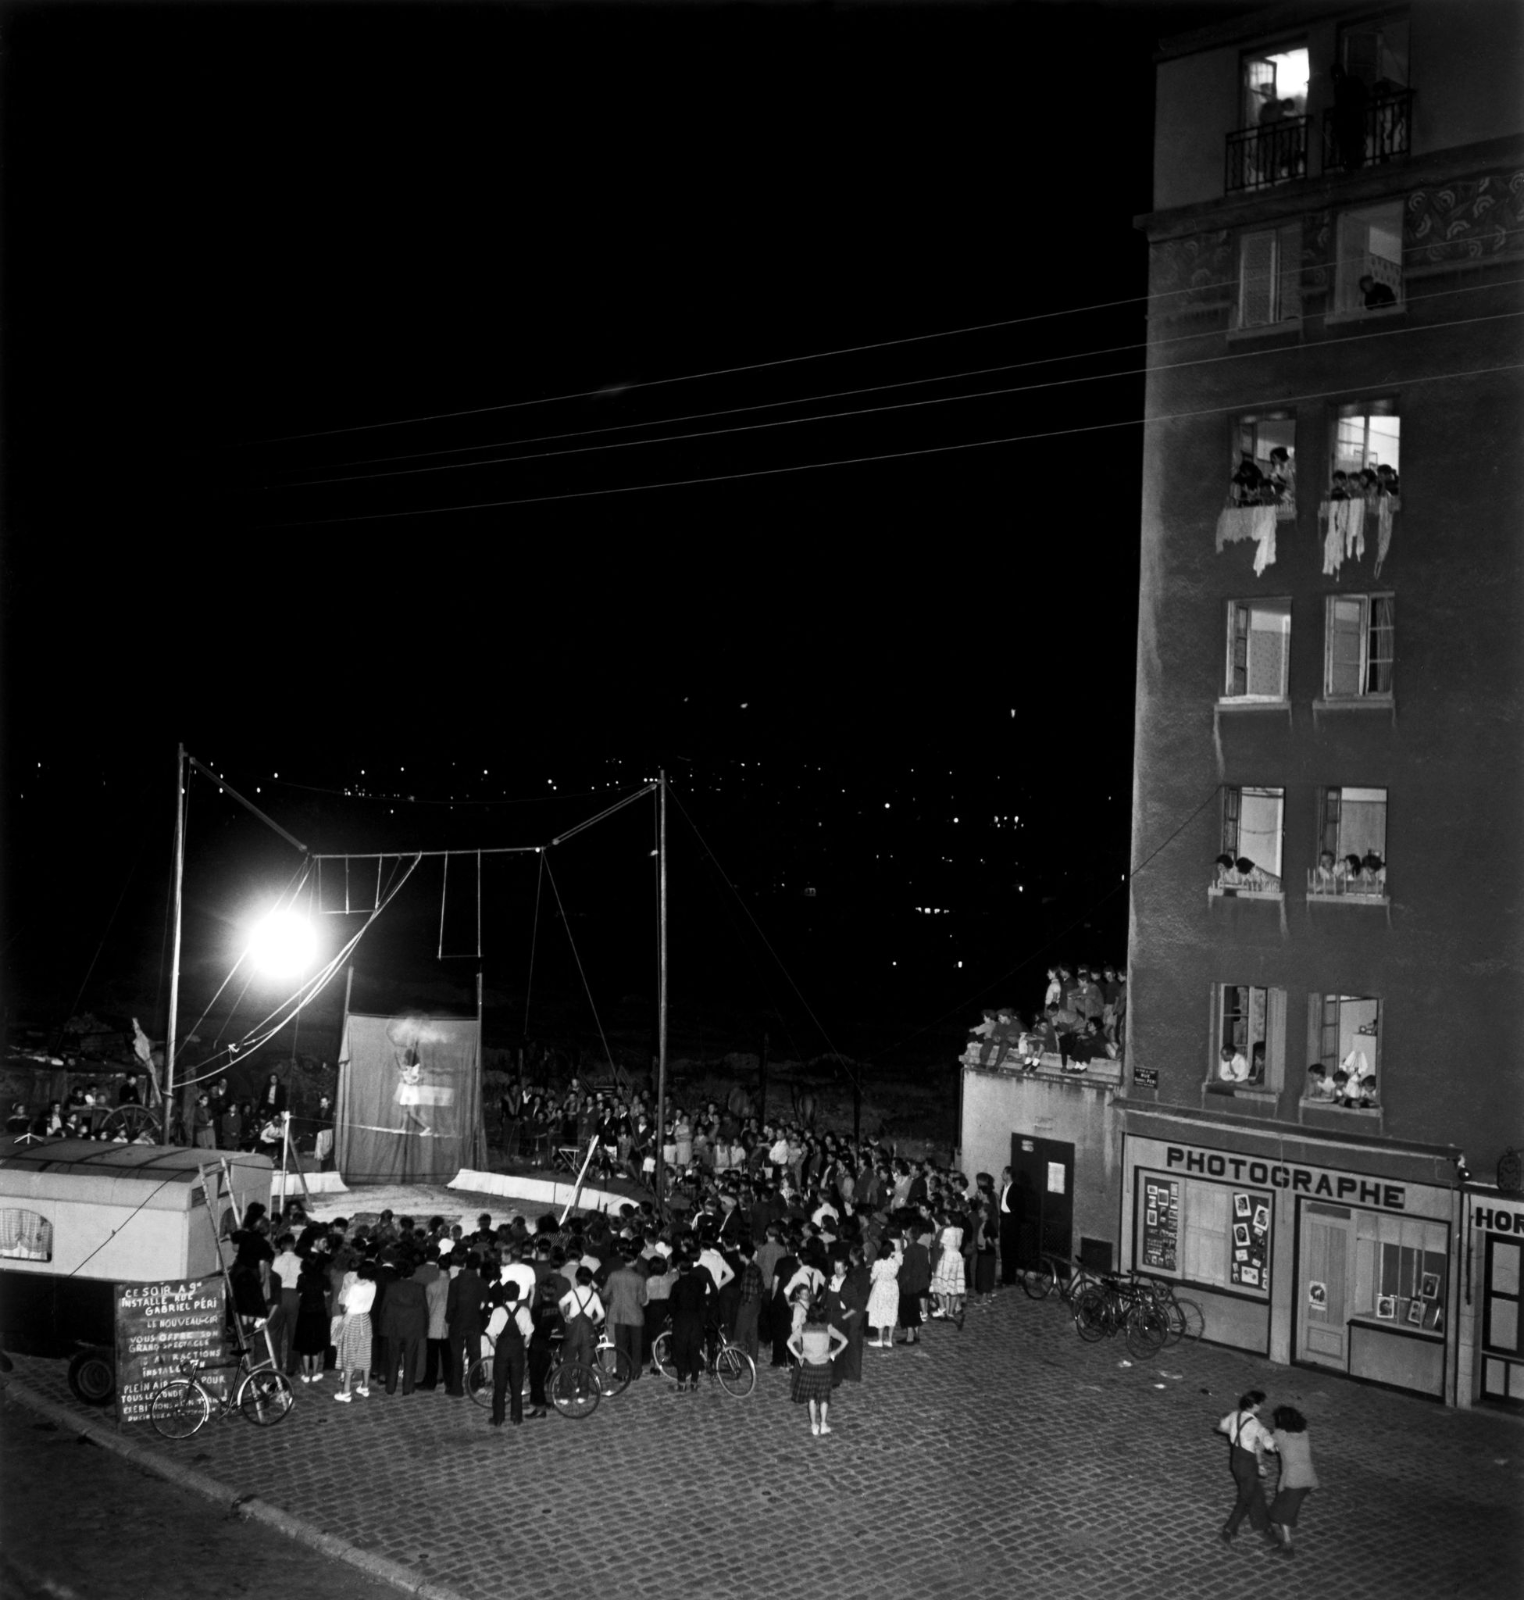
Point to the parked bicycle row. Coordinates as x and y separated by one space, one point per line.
1145 1311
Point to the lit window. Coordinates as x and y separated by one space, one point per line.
1365 486
1250 861
25 1236
1346 1038
1271 144
1369 270
1263 467
1259 649
1270 276
1360 647
1401 1264
1351 845
1249 1034
1370 121
1274 86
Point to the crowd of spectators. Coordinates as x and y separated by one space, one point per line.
857 1240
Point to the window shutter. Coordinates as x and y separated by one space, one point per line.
1344 628
1256 279
1238 678
1328 1054
1383 638
1275 1040
1288 253
1231 801
1331 804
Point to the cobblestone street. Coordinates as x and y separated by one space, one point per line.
1006 1458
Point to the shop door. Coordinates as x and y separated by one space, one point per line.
1042 1172
1326 1254
1502 1335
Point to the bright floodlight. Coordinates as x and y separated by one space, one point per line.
283 945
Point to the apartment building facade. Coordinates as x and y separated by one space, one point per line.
1329 783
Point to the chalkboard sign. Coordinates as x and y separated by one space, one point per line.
161 1325
1161 1224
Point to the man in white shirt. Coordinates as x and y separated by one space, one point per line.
520 1272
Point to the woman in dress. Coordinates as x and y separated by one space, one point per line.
312 1321
682 1137
354 1333
250 1272
849 1288
948 1283
884 1295
814 1345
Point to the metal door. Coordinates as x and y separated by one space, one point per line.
1042 1172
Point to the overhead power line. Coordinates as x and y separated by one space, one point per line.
814 399
891 455
780 361
898 405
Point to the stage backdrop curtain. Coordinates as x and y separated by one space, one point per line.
410 1094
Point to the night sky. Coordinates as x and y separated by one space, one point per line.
249 248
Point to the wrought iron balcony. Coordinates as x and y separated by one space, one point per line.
1376 133
1274 152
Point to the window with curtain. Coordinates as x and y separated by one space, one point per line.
1360 646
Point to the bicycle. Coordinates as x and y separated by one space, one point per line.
1122 1305
735 1369
183 1406
1068 1278
574 1388
1183 1319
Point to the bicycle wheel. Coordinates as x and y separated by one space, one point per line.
1092 1315
179 1409
265 1397
1145 1331
479 1381
1040 1282
737 1371
661 1354
614 1370
574 1389
1191 1318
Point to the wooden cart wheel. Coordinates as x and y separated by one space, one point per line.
92 1376
132 1123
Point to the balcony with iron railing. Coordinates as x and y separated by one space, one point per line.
1274 152
1370 135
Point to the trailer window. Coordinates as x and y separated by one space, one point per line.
25 1236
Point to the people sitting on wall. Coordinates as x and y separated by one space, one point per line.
18 1122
